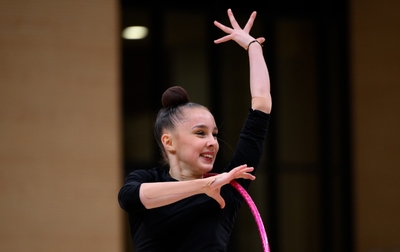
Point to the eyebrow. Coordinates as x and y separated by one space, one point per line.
203 126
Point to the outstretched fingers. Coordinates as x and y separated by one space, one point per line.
224 29
250 22
243 171
232 19
214 187
236 33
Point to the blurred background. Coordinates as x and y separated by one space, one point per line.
80 90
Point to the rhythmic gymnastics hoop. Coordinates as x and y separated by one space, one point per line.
254 212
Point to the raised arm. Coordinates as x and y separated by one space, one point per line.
259 77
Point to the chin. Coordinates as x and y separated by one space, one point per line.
207 169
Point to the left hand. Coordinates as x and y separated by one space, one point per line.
217 181
236 33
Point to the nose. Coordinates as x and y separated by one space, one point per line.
212 141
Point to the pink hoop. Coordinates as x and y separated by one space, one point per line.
255 212
253 209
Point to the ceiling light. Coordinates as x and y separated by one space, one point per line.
135 32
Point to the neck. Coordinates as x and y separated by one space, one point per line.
182 176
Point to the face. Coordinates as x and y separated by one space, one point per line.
195 141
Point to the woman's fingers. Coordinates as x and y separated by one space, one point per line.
221 40
261 40
220 200
250 22
213 190
242 171
243 168
224 28
236 33
232 19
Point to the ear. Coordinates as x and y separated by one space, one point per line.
167 142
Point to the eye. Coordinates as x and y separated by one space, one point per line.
200 133
215 135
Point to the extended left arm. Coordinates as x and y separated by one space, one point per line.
259 76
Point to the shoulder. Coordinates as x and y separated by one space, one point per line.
156 174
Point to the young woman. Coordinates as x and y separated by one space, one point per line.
180 208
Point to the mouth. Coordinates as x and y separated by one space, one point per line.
207 156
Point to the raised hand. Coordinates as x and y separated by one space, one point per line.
236 33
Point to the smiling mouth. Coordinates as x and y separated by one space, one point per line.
208 156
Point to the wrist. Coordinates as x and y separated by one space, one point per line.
210 181
255 41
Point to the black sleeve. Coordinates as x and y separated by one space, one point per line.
250 146
128 196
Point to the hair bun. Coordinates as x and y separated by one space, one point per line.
174 96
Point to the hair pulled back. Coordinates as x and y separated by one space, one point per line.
174 100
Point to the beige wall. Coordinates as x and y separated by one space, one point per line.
59 126
375 79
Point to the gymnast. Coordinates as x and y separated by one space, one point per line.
179 207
